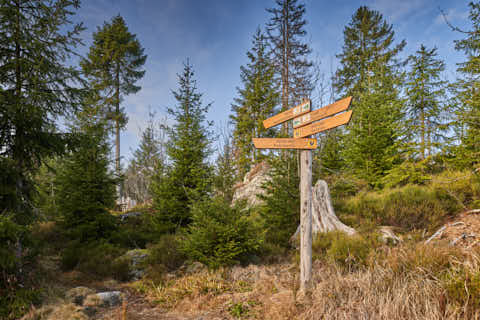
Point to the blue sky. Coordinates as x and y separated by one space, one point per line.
215 36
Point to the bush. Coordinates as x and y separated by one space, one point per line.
410 207
347 251
16 288
166 253
96 259
137 232
220 235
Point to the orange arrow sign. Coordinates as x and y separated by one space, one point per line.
284 143
287 115
339 106
323 125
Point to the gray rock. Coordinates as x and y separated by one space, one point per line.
387 235
109 298
195 267
252 185
135 259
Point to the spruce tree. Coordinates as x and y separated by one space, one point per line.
113 66
190 176
369 71
285 30
257 99
37 39
280 211
468 93
86 186
426 93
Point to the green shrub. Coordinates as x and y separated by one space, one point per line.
347 251
96 259
409 207
137 232
281 201
17 292
166 253
220 234
462 287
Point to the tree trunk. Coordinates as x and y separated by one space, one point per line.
323 215
117 132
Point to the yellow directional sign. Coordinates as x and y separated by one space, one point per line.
287 115
336 107
284 143
323 125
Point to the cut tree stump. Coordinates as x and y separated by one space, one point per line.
323 215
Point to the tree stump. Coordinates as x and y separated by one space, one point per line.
323 215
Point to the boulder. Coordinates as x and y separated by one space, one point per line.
135 259
387 235
251 186
104 299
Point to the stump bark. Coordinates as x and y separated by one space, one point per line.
323 215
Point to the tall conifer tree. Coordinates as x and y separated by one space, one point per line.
468 93
257 99
426 100
190 175
286 31
369 72
113 66
36 40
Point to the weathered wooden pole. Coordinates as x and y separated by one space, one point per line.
305 219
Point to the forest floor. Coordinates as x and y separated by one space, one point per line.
411 280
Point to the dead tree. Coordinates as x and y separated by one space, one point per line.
323 215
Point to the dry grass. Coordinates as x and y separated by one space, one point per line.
408 282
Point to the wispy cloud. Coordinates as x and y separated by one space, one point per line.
396 10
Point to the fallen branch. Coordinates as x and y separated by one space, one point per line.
436 234
473 211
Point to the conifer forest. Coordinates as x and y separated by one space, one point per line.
230 160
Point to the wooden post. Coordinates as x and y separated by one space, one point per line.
305 219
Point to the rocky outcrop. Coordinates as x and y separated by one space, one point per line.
251 186
135 259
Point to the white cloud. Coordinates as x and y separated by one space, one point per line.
395 10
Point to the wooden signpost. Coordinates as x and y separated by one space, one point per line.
287 115
322 125
284 143
304 127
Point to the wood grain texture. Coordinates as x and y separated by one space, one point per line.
327 111
284 143
288 115
305 220
322 125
